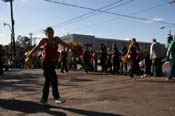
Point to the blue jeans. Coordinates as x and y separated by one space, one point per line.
170 73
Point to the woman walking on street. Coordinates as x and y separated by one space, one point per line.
50 47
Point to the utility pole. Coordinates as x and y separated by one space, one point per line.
12 25
31 34
11 55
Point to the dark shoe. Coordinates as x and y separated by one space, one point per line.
44 103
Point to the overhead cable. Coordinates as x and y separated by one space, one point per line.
118 14
91 13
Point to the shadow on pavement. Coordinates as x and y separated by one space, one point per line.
155 81
30 107
27 107
88 113
20 81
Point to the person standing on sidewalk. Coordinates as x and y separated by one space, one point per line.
87 60
124 67
50 47
171 57
156 55
64 60
103 57
115 59
133 52
1 57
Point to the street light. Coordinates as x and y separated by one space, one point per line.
12 23
6 24
169 35
163 27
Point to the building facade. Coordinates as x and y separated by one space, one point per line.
94 42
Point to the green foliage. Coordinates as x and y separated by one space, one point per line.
23 44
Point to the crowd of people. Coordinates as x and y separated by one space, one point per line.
111 60
147 62
128 60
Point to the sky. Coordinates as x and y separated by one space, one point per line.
32 16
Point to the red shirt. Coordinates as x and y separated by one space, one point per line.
50 49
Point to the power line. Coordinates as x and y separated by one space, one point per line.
73 20
80 17
86 14
122 15
90 14
150 8
142 10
